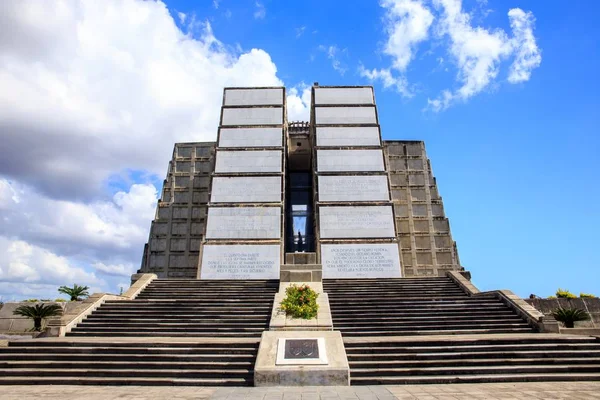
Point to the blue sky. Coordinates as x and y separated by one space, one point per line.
97 93
517 164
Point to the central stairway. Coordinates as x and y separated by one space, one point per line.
427 330
176 332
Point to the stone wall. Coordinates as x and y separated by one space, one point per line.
423 230
178 228
592 306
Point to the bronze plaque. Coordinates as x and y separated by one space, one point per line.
306 348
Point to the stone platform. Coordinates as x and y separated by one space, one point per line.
491 391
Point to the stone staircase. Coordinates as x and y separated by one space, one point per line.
415 306
427 330
176 332
186 308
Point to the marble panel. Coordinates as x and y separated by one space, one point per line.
353 188
248 161
349 160
252 116
243 223
251 137
348 136
240 261
345 115
356 222
246 189
253 97
360 261
353 95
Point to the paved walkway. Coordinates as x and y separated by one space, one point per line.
491 391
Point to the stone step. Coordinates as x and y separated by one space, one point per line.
128 365
475 341
140 329
132 357
480 369
141 373
442 318
213 334
428 322
126 380
109 323
179 317
465 312
432 325
479 378
414 331
442 363
510 353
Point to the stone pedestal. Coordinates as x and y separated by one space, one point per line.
296 372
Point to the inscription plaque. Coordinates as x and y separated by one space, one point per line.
248 161
356 95
250 137
349 160
243 223
253 116
246 189
253 97
240 262
348 136
345 115
301 351
356 222
353 188
301 348
360 261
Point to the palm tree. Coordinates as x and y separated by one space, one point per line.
75 292
569 316
39 312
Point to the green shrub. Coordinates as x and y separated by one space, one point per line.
300 302
31 300
39 312
59 300
565 294
586 296
551 297
569 316
76 292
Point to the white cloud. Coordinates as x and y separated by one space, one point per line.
105 86
260 11
27 270
478 52
216 3
407 25
387 79
88 91
298 103
300 31
333 53
528 55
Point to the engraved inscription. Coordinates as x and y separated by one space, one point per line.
360 260
356 222
243 223
240 262
305 348
246 189
353 188
350 160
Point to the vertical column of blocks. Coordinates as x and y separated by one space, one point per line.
244 231
355 218
176 231
426 243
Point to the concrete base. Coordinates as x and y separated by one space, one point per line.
335 373
323 322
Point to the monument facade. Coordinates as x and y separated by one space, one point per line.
331 187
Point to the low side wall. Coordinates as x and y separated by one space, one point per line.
592 306
11 324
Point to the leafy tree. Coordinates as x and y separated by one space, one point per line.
569 316
76 292
38 312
